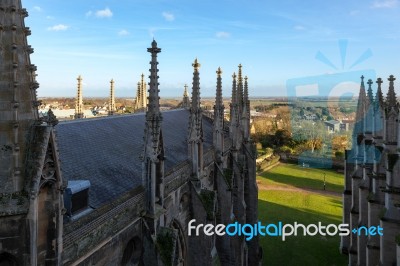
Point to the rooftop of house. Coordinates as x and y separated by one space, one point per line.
106 151
332 122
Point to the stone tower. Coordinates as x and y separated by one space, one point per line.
18 104
138 96
218 138
246 112
371 195
239 90
196 126
79 100
111 107
185 100
153 159
141 95
31 182
233 110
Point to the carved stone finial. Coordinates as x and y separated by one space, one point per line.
369 93
379 94
51 119
196 86
196 64
391 95
218 99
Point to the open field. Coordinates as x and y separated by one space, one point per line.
289 194
292 175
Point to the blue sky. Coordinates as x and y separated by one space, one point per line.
274 41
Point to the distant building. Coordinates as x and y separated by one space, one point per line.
336 126
332 125
310 117
67 114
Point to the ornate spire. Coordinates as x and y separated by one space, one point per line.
143 92
153 157
246 111
112 99
233 106
154 99
185 92
142 79
218 99
369 93
391 100
79 100
218 136
379 102
137 99
153 114
196 86
234 89
246 96
18 103
196 125
360 113
240 89
185 101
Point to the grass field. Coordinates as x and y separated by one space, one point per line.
292 175
284 195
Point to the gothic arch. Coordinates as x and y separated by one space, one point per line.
46 202
47 208
184 202
180 257
133 252
6 259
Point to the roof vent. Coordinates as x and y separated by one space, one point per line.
76 199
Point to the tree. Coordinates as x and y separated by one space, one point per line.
282 137
340 143
313 133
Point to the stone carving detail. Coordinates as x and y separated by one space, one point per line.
49 170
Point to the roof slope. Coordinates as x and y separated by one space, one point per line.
106 151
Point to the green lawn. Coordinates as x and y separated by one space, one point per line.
294 175
301 207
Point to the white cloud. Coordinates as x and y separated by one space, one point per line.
104 13
37 8
123 33
223 34
299 27
168 16
59 27
89 13
385 4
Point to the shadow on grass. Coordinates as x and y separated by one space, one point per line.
301 182
299 250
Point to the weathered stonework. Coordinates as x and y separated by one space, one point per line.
371 196
66 200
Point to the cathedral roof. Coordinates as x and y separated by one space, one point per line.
106 151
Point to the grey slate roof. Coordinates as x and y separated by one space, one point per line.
106 151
